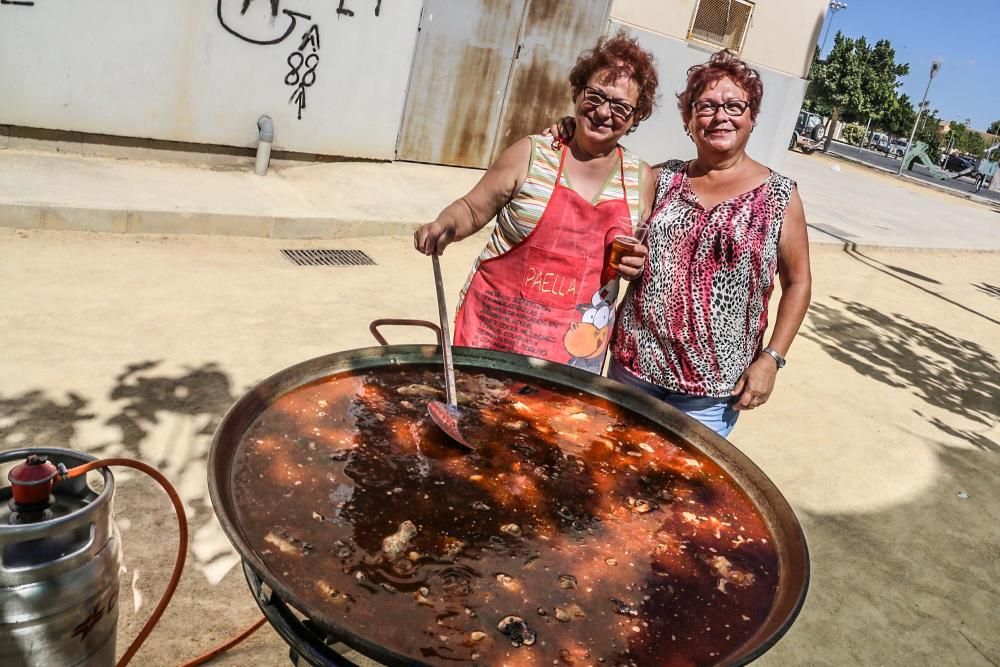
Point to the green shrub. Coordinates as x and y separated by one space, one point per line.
853 134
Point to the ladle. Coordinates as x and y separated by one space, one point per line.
446 415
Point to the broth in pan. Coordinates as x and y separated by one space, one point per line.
577 533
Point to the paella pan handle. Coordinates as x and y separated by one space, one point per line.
373 327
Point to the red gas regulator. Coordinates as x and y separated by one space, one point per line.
60 558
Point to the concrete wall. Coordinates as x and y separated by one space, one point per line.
176 70
783 34
662 136
199 71
781 37
672 17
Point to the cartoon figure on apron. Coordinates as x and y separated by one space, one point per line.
587 340
525 300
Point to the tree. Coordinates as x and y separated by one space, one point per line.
966 140
929 132
856 81
994 127
898 121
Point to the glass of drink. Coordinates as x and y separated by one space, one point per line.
625 244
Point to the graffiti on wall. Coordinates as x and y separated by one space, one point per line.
344 11
302 62
275 9
302 74
293 16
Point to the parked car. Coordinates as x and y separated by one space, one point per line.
879 142
897 148
808 133
959 163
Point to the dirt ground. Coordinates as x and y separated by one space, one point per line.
882 431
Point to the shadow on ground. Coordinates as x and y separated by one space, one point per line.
914 581
203 393
164 417
945 371
36 420
912 584
988 289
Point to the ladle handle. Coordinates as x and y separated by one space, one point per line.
449 367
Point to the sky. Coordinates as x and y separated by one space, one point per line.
963 35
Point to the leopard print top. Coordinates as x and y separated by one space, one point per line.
695 319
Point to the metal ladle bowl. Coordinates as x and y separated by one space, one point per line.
446 415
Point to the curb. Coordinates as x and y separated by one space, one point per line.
77 219
916 181
73 218
837 244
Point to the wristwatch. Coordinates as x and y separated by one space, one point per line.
778 359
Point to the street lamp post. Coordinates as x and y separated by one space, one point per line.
935 66
835 6
923 121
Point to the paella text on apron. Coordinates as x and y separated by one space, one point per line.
551 296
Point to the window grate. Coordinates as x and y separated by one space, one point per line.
318 257
722 23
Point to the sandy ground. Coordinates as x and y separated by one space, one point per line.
886 413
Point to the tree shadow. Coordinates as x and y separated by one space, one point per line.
909 584
851 249
945 371
164 417
36 420
204 392
988 289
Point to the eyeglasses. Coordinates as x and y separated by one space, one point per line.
619 108
732 107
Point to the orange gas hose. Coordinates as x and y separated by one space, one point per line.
182 543
222 648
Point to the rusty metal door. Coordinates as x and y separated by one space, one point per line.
460 73
553 34
487 72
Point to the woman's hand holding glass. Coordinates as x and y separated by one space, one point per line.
628 251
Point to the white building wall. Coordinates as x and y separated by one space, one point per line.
672 18
172 71
175 71
662 136
781 36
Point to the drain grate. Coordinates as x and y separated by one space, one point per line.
328 257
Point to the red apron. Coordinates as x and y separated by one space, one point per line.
552 295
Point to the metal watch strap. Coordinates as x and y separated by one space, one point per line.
778 359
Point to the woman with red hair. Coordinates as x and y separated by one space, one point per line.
541 287
691 328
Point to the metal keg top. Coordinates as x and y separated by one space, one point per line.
32 481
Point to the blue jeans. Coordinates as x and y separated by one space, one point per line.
714 412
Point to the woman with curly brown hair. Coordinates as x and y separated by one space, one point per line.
541 286
691 328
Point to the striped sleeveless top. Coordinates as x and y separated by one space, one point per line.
518 218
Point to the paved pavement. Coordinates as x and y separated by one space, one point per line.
136 345
882 432
965 185
45 190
